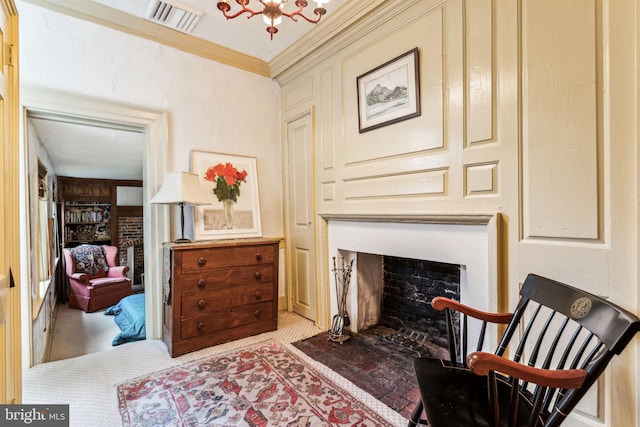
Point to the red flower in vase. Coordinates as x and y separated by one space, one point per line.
228 179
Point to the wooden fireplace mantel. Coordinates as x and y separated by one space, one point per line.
462 219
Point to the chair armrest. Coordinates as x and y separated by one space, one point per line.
118 271
480 363
80 277
440 303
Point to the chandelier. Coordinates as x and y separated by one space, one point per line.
273 11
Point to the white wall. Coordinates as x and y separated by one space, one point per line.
212 107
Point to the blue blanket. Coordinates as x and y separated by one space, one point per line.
129 316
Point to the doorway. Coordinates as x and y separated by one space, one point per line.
300 214
154 125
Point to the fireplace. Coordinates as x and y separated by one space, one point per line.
131 248
467 243
132 255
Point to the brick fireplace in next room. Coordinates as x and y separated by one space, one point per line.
401 263
131 247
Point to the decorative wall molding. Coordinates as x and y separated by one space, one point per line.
118 20
464 219
351 22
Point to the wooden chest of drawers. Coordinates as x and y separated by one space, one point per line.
218 291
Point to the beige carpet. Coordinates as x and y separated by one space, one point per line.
76 333
87 383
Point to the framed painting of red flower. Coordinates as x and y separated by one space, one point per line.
232 183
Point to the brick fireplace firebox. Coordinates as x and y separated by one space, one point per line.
409 285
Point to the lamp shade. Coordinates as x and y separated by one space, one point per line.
181 187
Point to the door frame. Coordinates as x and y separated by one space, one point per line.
10 356
155 157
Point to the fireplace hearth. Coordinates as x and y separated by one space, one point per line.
382 369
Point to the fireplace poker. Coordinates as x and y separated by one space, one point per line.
336 324
341 319
346 279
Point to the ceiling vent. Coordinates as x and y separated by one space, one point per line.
173 14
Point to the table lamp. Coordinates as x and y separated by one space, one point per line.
181 188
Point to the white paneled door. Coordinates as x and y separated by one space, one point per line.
300 213
10 362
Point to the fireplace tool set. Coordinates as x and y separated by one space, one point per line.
341 320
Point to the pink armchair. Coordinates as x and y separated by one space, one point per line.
95 281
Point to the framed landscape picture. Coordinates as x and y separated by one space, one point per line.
232 182
389 93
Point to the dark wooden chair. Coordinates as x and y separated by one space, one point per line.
556 344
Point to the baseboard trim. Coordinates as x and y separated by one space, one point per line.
282 303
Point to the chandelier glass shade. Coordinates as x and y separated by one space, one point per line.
273 11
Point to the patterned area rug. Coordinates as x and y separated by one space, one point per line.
263 385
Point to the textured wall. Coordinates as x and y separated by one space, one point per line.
212 107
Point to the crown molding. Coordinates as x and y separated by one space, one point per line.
352 21
330 27
117 20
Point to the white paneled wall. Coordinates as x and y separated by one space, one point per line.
449 154
527 111
559 68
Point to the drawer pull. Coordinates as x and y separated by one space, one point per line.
259 256
258 295
202 303
202 261
201 283
258 275
257 313
201 326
